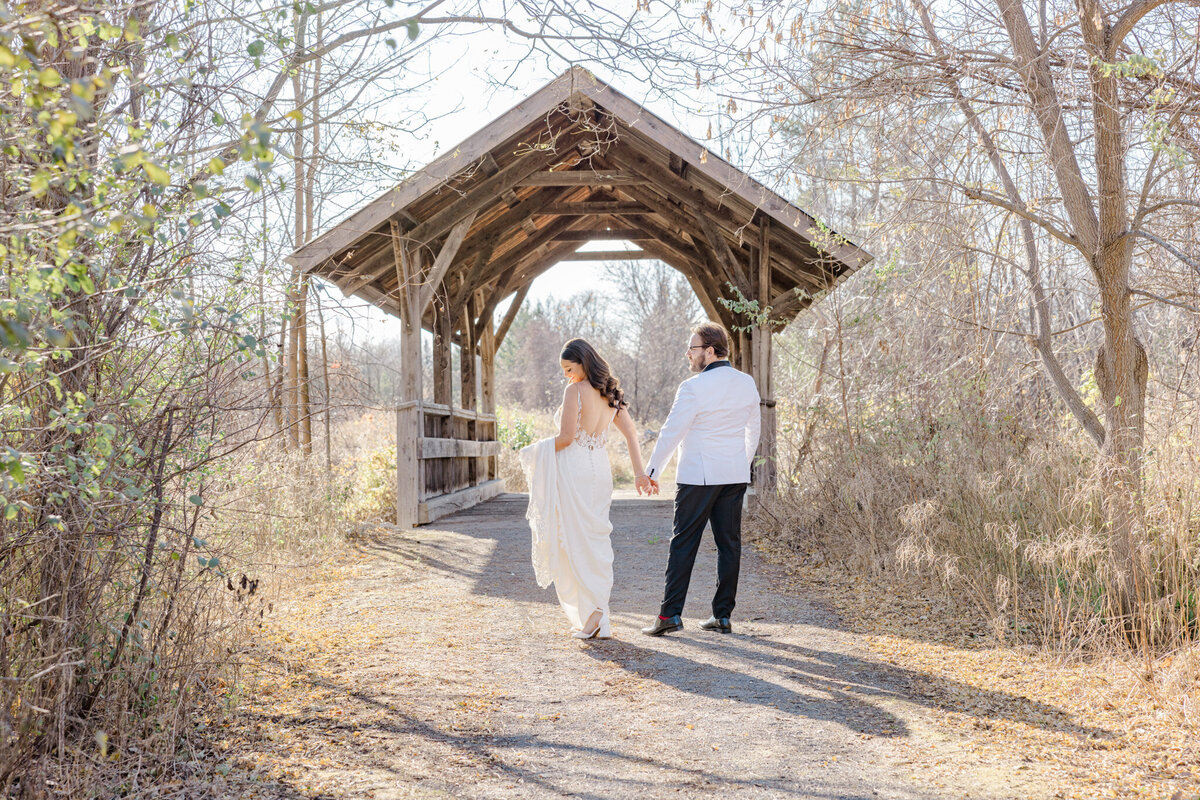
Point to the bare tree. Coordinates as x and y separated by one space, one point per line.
1075 128
654 311
528 372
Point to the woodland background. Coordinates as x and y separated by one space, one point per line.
1003 404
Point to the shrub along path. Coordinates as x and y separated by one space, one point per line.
428 663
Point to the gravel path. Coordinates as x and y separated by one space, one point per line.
455 676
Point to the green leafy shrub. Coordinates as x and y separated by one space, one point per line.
516 434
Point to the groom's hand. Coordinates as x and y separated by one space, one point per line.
643 485
653 486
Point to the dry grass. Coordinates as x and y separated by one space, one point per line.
1007 516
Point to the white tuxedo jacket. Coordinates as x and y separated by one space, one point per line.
715 423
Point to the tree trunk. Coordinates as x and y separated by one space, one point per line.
278 389
269 388
328 388
1121 363
302 210
291 386
1101 234
304 386
1121 372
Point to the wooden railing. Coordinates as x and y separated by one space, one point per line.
445 460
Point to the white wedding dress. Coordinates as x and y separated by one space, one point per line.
570 492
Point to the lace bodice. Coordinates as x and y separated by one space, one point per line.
584 439
587 440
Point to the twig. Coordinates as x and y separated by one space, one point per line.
1166 300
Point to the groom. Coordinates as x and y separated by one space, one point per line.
715 422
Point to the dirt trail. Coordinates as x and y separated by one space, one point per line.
433 666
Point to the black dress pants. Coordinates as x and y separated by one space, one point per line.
696 506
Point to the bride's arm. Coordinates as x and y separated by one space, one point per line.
625 425
569 418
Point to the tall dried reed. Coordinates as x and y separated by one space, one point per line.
994 507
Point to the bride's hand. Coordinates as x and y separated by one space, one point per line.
643 484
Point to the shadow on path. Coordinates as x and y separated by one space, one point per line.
501 752
808 697
761 670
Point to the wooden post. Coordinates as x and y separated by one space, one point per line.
408 463
487 351
743 360
472 467
764 474
468 348
470 354
443 337
487 380
408 410
442 476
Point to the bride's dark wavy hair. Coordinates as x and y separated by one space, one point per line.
598 373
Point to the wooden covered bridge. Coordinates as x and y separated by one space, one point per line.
576 162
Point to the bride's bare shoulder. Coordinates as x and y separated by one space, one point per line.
591 392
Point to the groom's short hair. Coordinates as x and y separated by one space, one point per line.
713 334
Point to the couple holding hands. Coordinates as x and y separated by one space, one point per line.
714 422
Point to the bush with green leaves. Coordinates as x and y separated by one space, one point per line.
516 434
127 371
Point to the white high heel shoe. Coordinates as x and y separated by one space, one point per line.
601 630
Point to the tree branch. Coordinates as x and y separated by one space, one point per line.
1170 248
1046 225
1042 342
1166 300
1130 17
1048 110
1172 202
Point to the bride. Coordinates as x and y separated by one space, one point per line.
570 490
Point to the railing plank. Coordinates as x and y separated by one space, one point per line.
433 447
437 507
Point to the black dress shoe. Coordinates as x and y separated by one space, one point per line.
662 626
717 624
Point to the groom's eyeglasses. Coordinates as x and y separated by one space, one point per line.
697 347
